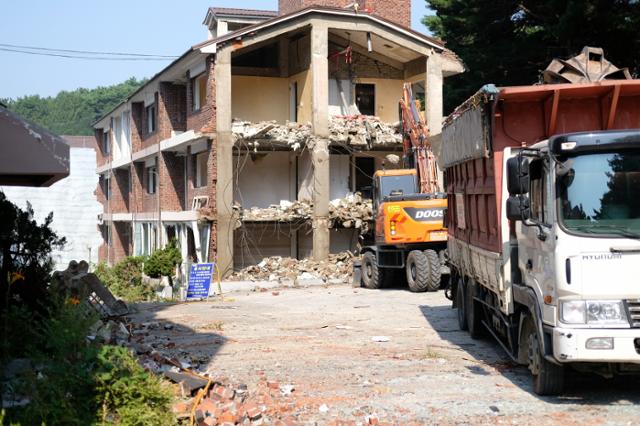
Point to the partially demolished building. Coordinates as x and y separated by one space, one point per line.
262 140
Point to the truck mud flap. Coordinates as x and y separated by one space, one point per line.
527 297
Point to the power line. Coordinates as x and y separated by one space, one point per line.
87 52
91 58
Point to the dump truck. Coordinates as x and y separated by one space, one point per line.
408 205
544 224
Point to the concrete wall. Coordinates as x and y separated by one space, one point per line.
74 205
340 173
264 179
260 98
254 242
304 96
388 94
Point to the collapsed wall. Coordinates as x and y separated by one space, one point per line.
352 211
363 132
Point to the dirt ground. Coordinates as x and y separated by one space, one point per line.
322 342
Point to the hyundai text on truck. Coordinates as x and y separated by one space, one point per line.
543 186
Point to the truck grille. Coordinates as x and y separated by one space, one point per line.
633 307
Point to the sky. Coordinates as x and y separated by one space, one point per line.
159 27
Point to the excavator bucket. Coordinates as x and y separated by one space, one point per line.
589 66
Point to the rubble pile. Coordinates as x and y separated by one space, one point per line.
352 211
336 270
358 131
286 211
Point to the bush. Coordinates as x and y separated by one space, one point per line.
163 262
82 383
125 279
127 394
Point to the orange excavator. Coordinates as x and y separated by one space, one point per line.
410 237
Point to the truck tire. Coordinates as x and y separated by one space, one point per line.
548 378
473 310
372 275
418 276
434 282
460 302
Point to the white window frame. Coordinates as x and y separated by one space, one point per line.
106 141
150 112
152 179
197 103
202 172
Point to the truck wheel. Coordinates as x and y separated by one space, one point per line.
434 282
418 276
548 378
372 275
460 302
474 312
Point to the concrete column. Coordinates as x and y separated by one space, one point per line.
320 148
224 159
434 100
434 82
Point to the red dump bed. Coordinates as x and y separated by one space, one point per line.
476 134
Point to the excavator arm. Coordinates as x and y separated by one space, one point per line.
417 150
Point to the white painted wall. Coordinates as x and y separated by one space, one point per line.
340 105
264 179
339 173
74 206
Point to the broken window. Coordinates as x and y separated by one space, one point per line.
198 91
151 173
366 98
151 118
201 169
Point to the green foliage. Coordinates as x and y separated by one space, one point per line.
25 253
125 279
163 262
127 394
510 42
72 113
62 390
80 383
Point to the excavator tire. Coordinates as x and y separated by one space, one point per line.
418 276
434 281
372 275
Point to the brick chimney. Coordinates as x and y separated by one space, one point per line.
398 11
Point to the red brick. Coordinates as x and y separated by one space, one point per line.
398 11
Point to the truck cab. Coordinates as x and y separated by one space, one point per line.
574 199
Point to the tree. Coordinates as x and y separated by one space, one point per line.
72 113
25 254
509 42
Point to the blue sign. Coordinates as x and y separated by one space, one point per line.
199 281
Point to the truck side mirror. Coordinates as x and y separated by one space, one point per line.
518 208
518 175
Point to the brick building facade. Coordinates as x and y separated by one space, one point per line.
171 165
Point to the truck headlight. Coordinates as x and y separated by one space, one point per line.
596 312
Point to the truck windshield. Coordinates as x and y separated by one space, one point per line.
397 185
599 194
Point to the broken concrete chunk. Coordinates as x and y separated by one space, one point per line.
189 383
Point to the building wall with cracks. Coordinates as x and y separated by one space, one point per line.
172 163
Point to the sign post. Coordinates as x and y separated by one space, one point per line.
200 281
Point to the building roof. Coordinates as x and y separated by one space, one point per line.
229 11
433 42
29 154
274 19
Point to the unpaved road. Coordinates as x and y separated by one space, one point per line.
429 372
